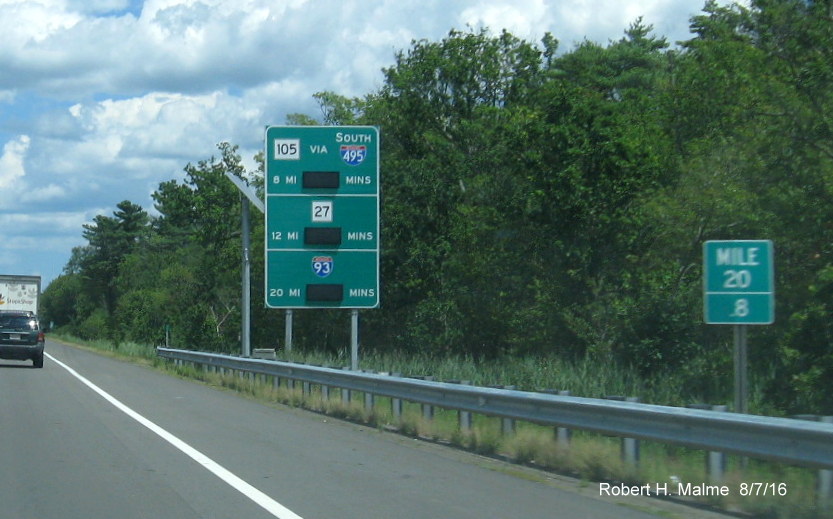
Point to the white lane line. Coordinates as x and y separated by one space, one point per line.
265 502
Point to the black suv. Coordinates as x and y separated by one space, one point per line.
21 337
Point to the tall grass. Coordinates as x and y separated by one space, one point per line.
585 377
125 349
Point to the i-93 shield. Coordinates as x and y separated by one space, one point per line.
322 266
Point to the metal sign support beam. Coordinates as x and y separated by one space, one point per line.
246 195
741 370
246 316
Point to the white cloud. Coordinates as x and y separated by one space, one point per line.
47 221
154 125
528 20
103 108
39 243
34 21
43 194
12 170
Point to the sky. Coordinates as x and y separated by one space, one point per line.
102 100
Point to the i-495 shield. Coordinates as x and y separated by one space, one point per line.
353 154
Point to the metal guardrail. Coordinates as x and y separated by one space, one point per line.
795 442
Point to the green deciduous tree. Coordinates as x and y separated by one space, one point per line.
537 202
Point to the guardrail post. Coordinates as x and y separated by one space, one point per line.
396 408
563 434
824 488
346 394
630 446
507 425
427 409
396 404
369 398
463 417
325 391
715 460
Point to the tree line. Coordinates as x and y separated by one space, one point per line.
535 201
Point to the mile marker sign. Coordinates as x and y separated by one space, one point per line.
738 282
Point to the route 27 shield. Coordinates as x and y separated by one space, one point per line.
322 266
353 154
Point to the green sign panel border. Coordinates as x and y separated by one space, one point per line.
293 270
741 290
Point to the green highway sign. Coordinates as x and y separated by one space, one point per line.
293 214
738 282
322 217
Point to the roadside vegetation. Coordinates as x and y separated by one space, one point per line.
589 457
543 209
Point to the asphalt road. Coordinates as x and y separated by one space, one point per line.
130 442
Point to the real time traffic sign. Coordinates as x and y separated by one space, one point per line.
738 282
322 217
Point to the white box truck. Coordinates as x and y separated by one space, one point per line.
19 293
21 337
